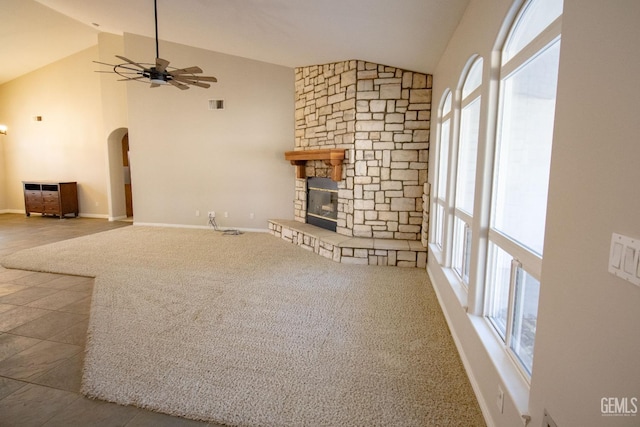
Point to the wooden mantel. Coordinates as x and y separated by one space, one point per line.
332 157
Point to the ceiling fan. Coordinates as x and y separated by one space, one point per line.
160 73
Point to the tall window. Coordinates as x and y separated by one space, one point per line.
528 80
505 251
440 199
466 170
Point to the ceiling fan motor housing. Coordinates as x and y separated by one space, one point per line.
158 77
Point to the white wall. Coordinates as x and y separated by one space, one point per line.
67 145
115 116
588 344
113 93
186 158
587 341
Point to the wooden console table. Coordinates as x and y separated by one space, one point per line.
333 157
50 198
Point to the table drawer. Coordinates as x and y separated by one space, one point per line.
51 209
33 194
36 207
31 200
49 197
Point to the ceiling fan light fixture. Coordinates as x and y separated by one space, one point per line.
157 78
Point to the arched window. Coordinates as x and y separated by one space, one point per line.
466 170
528 80
440 203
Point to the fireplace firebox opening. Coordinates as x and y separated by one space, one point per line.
322 203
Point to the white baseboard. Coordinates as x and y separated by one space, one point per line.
158 224
13 211
200 227
97 216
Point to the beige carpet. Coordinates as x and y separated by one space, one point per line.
251 331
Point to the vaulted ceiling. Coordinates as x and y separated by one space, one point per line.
410 34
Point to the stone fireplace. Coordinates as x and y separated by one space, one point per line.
380 117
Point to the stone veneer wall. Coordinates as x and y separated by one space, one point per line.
381 115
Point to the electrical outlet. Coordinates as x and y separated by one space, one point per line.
500 399
197 213
212 214
226 214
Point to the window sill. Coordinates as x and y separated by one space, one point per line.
454 281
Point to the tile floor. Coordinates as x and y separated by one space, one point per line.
43 324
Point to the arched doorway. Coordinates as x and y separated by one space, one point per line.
128 197
119 185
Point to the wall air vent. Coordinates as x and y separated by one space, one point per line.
216 104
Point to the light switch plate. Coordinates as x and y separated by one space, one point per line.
624 257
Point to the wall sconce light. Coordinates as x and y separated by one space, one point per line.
3 129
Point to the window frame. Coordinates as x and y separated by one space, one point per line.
461 244
440 204
467 270
523 259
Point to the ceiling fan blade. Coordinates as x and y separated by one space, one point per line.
119 66
203 85
196 78
130 61
131 69
188 70
130 78
104 63
178 85
122 73
193 82
161 64
207 79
